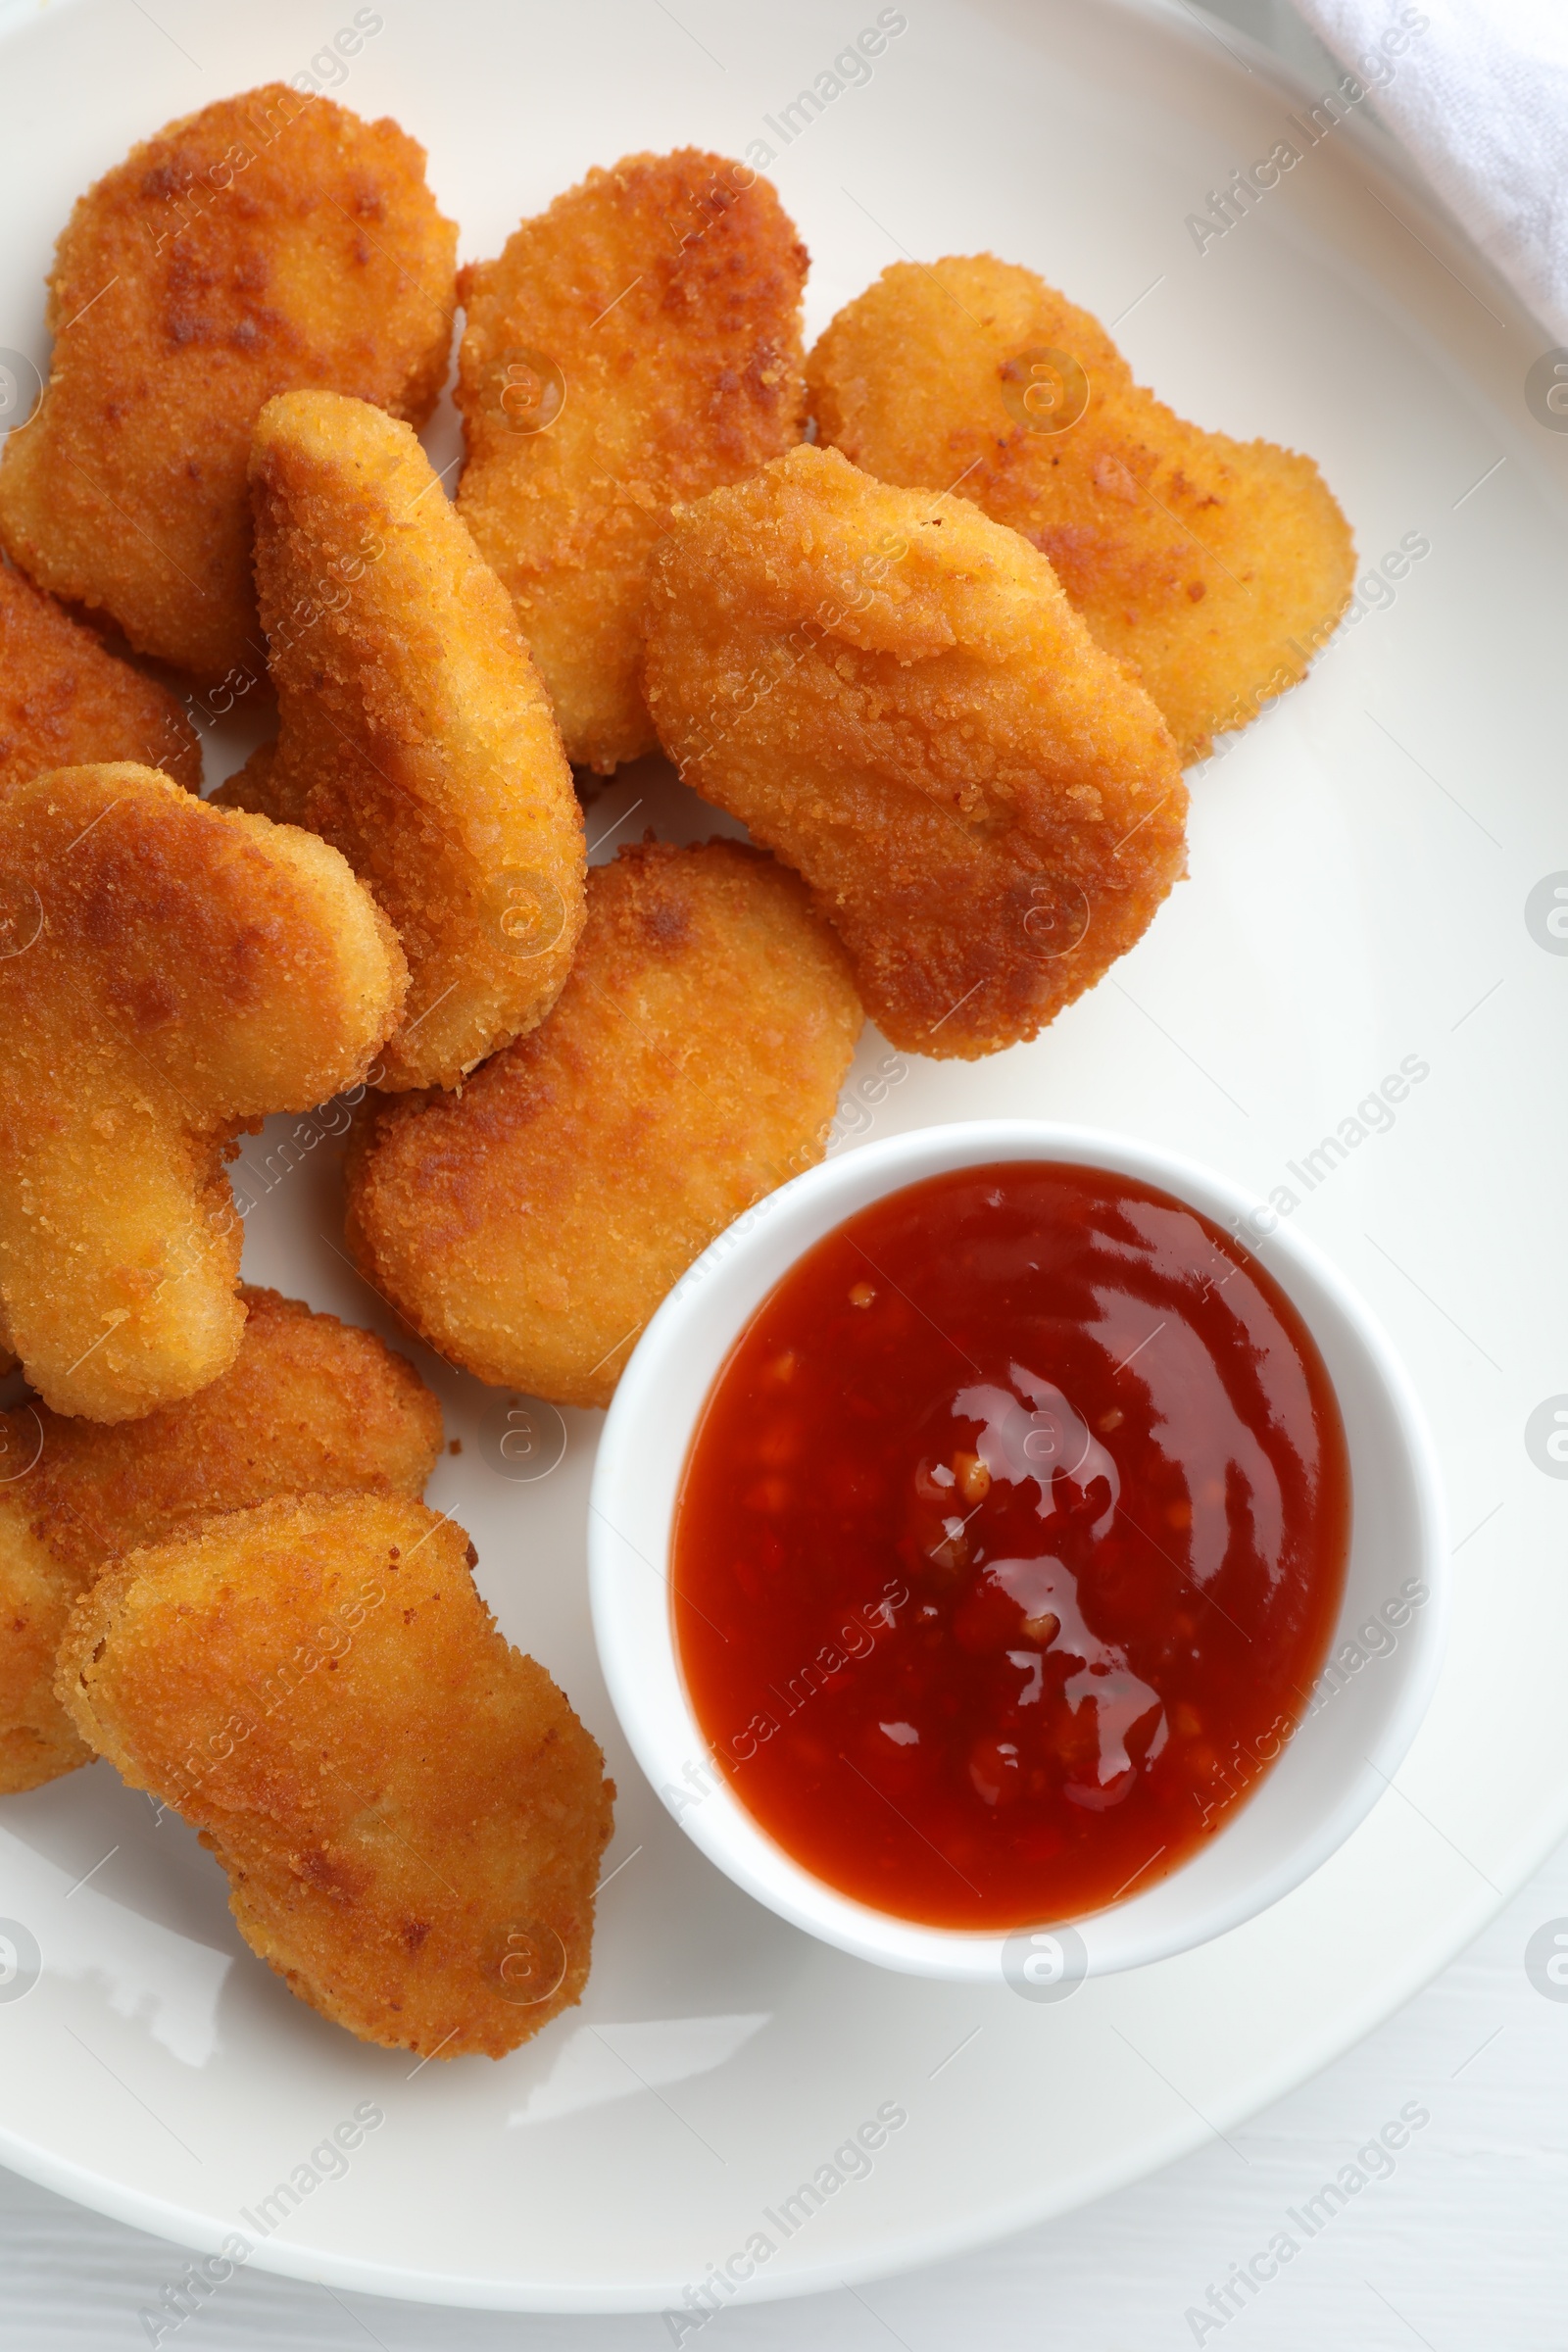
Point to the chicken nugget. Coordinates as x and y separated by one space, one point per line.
169 972
415 737
895 695
65 701
1215 567
409 1813
270 241
309 1407
37 1740
637 344
529 1228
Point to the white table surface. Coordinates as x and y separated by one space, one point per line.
1464 2244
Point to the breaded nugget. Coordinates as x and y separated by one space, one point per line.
65 701
270 241
169 972
1216 567
309 1407
415 737
409 1813
37 1740
895 695
637 344
529 1228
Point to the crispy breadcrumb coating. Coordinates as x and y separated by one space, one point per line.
65 703
415 734
409 1813
1216 567
529 1228
37 1740
309 1407
173 971
650 322
272 240
894 694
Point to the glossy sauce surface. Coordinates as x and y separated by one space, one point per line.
1009 1543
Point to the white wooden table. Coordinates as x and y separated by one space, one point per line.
1462 2246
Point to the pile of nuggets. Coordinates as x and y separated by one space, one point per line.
939 612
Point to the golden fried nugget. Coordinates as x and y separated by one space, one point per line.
168 973
37 1738
409 1813
1216 567
637 344
896 697
309 1407
65 701
529 1228
270 241
415 736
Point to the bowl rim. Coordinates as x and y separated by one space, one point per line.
726 1830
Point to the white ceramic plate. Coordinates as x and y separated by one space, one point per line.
1362 864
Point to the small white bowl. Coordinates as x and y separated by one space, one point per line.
1345 1750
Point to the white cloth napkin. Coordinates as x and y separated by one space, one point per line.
1478 95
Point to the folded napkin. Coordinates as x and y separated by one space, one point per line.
1478 91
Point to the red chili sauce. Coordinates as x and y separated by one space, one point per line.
1009 1543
